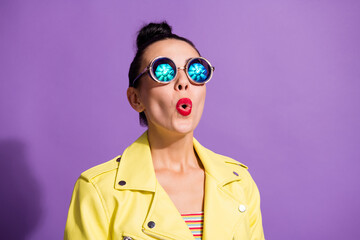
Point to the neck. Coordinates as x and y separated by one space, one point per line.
174 152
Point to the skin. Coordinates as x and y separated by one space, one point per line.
177 167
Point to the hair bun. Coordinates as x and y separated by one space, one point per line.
152 30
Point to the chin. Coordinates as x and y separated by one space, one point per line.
184 127
184 130
176 126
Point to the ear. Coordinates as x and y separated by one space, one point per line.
134 99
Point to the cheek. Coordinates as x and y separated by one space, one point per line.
156 100
201 94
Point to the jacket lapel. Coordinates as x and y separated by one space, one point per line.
136 168
220 212
221 208
168 222
163 220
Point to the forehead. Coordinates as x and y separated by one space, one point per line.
179 51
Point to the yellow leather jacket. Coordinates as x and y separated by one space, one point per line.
122 199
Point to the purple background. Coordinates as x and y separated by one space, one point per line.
284 100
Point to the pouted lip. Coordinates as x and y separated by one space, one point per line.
184 106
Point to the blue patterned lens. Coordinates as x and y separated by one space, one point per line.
164 72
198 72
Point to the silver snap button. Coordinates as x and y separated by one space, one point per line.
242 208
127 238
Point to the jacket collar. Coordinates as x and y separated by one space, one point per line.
137 170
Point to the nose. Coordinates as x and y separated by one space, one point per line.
182 83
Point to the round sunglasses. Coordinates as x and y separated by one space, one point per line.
164 70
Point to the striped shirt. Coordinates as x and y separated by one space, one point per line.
195 223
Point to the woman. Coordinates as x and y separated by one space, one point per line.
166 177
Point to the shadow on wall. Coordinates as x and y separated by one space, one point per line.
19 191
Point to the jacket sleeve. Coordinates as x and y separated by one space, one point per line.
255 219
87 218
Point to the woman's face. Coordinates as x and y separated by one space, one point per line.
163 110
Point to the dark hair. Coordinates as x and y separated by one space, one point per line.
147 35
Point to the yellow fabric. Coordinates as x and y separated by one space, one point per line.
101 208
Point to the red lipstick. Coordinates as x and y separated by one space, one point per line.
184 106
